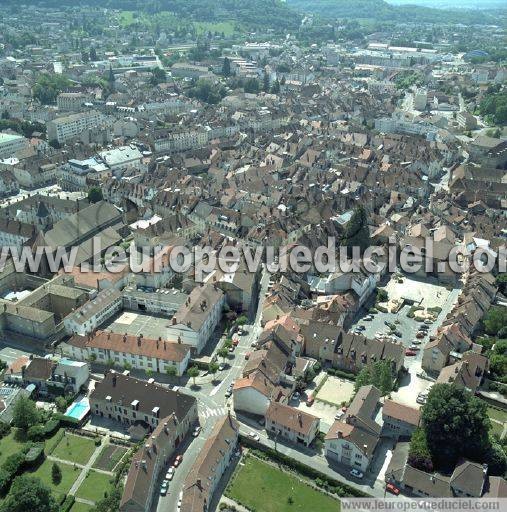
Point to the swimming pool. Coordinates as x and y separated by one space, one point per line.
78 410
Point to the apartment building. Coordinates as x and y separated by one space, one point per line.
11 143
71 101
63 129
137 352
88 317
211 463
195 321
399 420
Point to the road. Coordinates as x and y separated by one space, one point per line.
212 404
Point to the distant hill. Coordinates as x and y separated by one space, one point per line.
384 11
273 14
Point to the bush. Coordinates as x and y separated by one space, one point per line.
341 373
34 454
67 503
67 421
5 429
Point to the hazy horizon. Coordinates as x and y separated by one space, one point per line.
456 4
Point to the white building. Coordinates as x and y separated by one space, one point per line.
70 127
10 144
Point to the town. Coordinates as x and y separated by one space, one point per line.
148 150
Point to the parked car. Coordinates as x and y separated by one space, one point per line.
163 489
356 473
424 327
231 349
339 415
428 321
247 356
410 353
422 374
296 395
310 400
414 347
416 342
392 489
368 318
420 334
177 460
197 431
228 393
170 473
235 342
221 367
254 436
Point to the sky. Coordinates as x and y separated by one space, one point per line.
474 4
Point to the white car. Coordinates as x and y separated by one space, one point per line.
356 473
254 436
197 431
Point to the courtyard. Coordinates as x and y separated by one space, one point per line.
134 324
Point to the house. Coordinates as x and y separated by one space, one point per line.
399 420
88 317
197 318
352 441
292 424
262 379
451 338
466 374
137 351
211 463
133 402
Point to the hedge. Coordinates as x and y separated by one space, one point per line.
11 468
341 373
67 503
67 421
320 479
41 432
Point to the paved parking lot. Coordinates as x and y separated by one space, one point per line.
150 326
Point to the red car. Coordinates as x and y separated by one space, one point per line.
310 400
235 342
410 353
177 461
392 489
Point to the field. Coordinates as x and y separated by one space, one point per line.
204 27
94 486
109 457
69 476
80 507
498 419
10 445
74 449
264 488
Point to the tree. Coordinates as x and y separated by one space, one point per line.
56 474
158 76
171 371
252 86
93 54
379 374
193 372
47 87
495 320
456 425
29 493
265 82
149 373
213 369
95 195
275 88
223 353
25 413
357 233
419 455
61 403
226 67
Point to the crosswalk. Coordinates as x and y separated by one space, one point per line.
216 411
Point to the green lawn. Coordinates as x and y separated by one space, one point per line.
497 414
264 488
80 507
94 486
203 27
69 475
74 449
109 457
11 444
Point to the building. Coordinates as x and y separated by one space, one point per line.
91 315
135 351
63 129
134 402
71 101
399 420
10 144
352 442
122 157
195 321
15 234
211 463
292 424
169 415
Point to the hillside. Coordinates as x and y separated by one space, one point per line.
383 11
273 14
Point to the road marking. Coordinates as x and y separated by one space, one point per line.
214 391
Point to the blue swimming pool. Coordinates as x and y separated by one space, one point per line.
78 410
